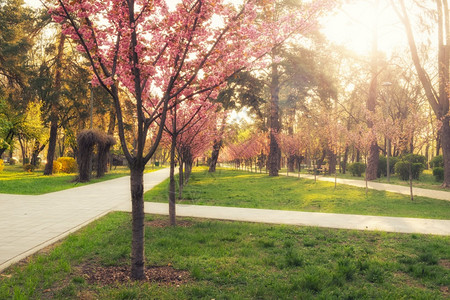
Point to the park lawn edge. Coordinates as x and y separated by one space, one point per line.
378 203
239 260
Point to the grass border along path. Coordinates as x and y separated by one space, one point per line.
233 188
235 260
14 180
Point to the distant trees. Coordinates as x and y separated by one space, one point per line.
437 93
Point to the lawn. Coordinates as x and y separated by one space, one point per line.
14 180
234 260
229 187
425 181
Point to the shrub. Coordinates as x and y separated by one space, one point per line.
382 165
56 167
1 165
29 167
402 169
356 168
437 161
68 164
438 173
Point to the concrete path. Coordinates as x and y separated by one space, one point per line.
30 223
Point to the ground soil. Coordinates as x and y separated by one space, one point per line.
162 275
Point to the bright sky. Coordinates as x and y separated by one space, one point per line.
352 27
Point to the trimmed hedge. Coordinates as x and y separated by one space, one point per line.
382 165
356 169
417 162
438 173
437 161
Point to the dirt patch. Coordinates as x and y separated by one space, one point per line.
445 263
165 223
445 291
162 275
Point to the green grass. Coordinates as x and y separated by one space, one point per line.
243 189
234 260
425 181
14 180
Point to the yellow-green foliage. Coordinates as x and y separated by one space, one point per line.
56 167
1 165
68 164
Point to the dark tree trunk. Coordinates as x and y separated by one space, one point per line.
215 155
331 162
445 142
372 162
54 114
36 150
172 192
319 162
180 179
274 148
51 146
344 161
137 202
23 150
291 163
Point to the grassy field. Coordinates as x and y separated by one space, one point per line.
229 187
426 179
14 180
233 260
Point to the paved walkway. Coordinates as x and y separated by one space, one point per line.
30 223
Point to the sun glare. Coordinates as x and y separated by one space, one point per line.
352 26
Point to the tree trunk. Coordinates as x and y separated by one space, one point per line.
331 162
54 114
215 155
274 153
291 163
344 161
137 201
180 179
23 150
172 192
372 161
445 143
439 100
51 146
36 150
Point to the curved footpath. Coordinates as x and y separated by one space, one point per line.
30 223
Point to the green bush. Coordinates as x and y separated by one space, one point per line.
382 165
56 167
29 167
438 173
1 165
68 164
356 169
437 161
417 163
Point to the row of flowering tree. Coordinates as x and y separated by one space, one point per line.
249 153
190 129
